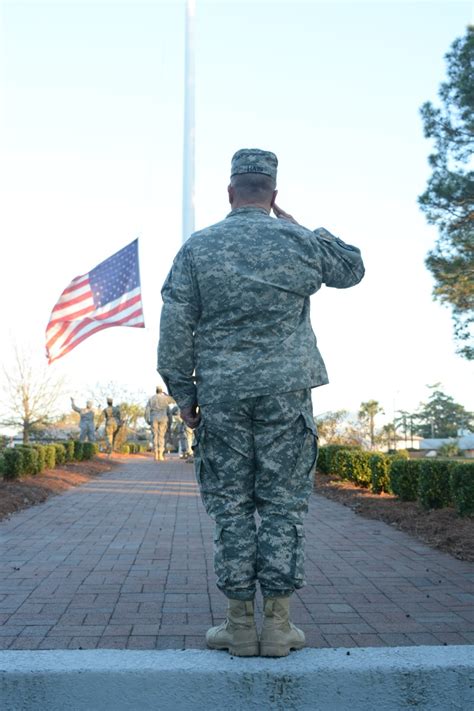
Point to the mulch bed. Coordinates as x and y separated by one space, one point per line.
438 528
30 490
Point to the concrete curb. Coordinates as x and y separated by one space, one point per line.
386 679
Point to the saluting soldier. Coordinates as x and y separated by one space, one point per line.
239 356
86 422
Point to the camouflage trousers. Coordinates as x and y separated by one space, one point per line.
87 432
111 430
257 456
158 432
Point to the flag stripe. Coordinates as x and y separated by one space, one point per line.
136 322
87 324
74 297
109 295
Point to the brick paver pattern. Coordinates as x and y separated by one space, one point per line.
125 562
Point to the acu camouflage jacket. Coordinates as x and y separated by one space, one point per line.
235 321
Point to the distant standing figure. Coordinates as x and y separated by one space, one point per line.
113 422
156 415
186 437
86 424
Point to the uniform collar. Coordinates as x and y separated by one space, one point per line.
247 209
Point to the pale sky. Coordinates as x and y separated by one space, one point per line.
91 157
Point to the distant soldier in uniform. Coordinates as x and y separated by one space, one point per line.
113 422
186 436
239 356
157 415
86 422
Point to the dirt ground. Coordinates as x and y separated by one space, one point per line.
439 528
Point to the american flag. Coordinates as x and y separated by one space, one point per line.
109 295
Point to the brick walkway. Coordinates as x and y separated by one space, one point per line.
125 561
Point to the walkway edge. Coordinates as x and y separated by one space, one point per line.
388 678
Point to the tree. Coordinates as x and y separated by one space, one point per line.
30 394
448 201
367 414
330 426
441 416
389 435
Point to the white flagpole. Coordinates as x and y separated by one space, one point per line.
189 128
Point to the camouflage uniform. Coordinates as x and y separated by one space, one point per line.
113 422
186 438
86 424
156 415
236 339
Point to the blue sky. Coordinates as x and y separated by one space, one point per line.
91 157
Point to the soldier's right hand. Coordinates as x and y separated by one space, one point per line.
282 215
191 416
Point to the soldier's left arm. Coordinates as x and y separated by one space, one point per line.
342 264
179 318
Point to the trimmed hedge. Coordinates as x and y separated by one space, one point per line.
89 450
433 484
404 478
60 453
78 450
41 457
33 459
69 447
13 459
380 468
461 481
30 460
50 458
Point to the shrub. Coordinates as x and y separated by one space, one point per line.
125 449
60 453
30 460
462 487
13 463
41 457
380 467
69 446
89 450
433 484
50 456
326 455
340 463
404 478
359 467
78 450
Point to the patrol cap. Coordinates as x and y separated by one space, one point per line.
254 160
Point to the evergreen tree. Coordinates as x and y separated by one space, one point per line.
441 416
448 201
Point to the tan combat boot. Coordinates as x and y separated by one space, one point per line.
238 632
279 635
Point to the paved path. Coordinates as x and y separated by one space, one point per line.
125 561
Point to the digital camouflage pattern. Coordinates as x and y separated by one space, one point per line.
257 454
235 321
254 160
86 422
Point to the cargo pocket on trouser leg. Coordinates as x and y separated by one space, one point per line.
234 560
301 481
298 557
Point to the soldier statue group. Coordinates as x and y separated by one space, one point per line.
161 414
